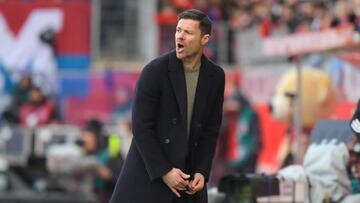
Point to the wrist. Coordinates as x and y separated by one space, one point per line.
166 173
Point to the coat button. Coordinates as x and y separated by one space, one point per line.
199 125
195 144
174 121
167 141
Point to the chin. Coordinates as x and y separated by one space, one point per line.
179 56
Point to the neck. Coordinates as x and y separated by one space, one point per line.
192 62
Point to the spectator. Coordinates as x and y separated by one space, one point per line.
215 11
240 19
263 18
322 18
240 139
38 110
244 138
95 143
20 95
355 5
343 15
289 18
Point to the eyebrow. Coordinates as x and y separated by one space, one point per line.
185 30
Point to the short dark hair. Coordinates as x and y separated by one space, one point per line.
354 122
194 14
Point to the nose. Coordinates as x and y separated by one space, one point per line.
179 35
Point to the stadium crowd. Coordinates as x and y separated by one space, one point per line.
297 16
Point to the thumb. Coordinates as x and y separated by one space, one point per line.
184 175
195 181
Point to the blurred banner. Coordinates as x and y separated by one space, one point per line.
303 43
110 98
42 37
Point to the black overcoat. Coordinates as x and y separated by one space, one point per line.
159 127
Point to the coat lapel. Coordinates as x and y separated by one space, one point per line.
177 78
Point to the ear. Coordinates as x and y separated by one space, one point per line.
205 39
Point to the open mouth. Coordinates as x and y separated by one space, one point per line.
179 47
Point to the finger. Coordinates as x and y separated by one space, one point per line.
175 192
195 182
198 187
190 192
182 183
184 175
180 188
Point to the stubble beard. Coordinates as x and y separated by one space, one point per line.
186 56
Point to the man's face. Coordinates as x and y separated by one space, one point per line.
89 139
188 38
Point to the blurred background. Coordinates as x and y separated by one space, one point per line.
68 69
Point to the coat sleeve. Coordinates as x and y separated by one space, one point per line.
207 141
146 104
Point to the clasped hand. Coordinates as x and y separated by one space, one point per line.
177 181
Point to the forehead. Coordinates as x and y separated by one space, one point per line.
189 24
88 133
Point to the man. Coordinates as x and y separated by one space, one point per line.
176 117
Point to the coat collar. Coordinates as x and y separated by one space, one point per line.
177 78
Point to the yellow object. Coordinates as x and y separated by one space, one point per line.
114 142
327 197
